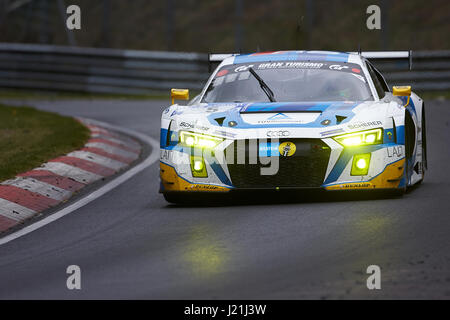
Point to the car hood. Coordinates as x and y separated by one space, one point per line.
281 114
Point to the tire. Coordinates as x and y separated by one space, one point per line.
410 140
424 146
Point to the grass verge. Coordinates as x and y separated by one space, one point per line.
29 137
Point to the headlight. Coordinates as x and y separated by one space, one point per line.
374 136
191 139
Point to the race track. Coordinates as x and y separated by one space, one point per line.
130 243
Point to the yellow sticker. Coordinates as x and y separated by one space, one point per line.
287 149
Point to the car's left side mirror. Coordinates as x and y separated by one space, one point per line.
402 91
180 94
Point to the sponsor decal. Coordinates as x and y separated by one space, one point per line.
193 126
287 149
186 125
280 133
337 67
282 118
268 149
327 133
243 68
365 124
389 134
356 185
291 64
279 116
211 109
204 187
222 73
165 155
396 151
175 112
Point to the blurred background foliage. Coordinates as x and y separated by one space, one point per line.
230 25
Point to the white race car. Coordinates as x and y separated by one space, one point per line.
293 119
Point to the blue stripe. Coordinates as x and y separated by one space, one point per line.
328 110
205 184
266 57
211 160
291 55
163 138
400 185
341 57
346 156
217 168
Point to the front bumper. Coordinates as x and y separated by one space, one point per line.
316 163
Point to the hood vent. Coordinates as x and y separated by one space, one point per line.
220 120
339 119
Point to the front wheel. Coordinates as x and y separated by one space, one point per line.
424 146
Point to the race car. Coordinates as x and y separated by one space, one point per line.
293 120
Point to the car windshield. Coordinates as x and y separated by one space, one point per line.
289 81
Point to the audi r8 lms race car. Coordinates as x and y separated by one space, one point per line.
294 119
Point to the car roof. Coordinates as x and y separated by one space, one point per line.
333 56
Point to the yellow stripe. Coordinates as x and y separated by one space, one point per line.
173 182
393 172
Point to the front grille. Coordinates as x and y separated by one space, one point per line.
306 168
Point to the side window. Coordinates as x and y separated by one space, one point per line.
376 81
195 100
383 82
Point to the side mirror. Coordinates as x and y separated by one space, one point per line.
181 94
402 91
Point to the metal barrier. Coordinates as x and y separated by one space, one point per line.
99 70
430 71
95 70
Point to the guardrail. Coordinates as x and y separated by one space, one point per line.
95 70
99 70
430 70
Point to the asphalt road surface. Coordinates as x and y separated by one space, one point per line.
130 243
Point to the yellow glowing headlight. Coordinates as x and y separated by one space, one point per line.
191 139
374 136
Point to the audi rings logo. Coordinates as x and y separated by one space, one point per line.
281 133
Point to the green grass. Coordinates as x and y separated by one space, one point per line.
29 137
